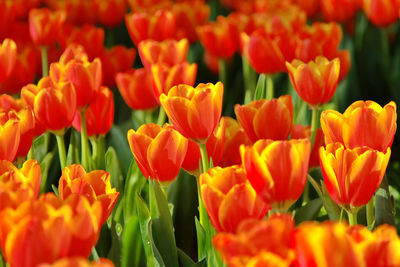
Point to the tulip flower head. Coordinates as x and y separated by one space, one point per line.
44 25
8 58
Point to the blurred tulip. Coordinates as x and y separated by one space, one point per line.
95 186
338 10
169 52
8 57
277 170
266 119
300 132
10 135
352 175
381 12
79 262
8 11
44 25
229 198
165 77
110 13
136 88
311 7
364 123
99 115
18 185
315 81
117 59
269 239
73 51
194 112
159 152
76 10
158 26
220 38
314 245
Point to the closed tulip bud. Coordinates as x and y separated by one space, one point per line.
381 12
44 25
316 81
110 13
10 134
159 152
229 198
194 112
8 58
338 10
352 175
364 123
266 119
277 170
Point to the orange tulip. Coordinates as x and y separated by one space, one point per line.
277 170
110 13
79 262
44 230
229 198
258 241
117 59
315 81
8 57
77 10
44 25
8 11
95 186
170 52
300 132
55 107
194 112
164 77
158 26
383 12
10 135
341 11
266 119
18 185
99 115
159 152
136 88
326 244
220 38
364 123
352 175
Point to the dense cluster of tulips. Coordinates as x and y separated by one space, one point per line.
198 133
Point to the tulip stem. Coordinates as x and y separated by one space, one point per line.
95 255
316 186
98 152
352 217
84 142
61 151
314 125
249 79
371 212
270 87
161 116
45 67
204 157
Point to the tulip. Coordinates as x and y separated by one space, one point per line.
164 77
229 198
18 185
110 13
194 112
341 11
8 58
316 81
364 123
95 186
381 13
44 25
256 240
76 10
352 175
169 52
143 26
277 170
159 152
266 119
99 115
10 135
79 262
136 88
315 243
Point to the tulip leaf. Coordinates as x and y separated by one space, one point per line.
133 185
153 257
309 211
45 167
201 239
131 243
384 211
73 149
114 168
184 260
162 226
261 88
40 146
117 138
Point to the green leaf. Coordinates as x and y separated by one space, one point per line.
45 167
308 212
117 138
201 239
73 149
133 185
184 260
162 227
131 243
384 211
113 167
261 88
40 146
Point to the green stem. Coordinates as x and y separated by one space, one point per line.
222 71
98 146
161 116
95 255
204 157
45 64
306 191
248 75
84 142
316 186
371 212
270 87
314 125
352 217
61 151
